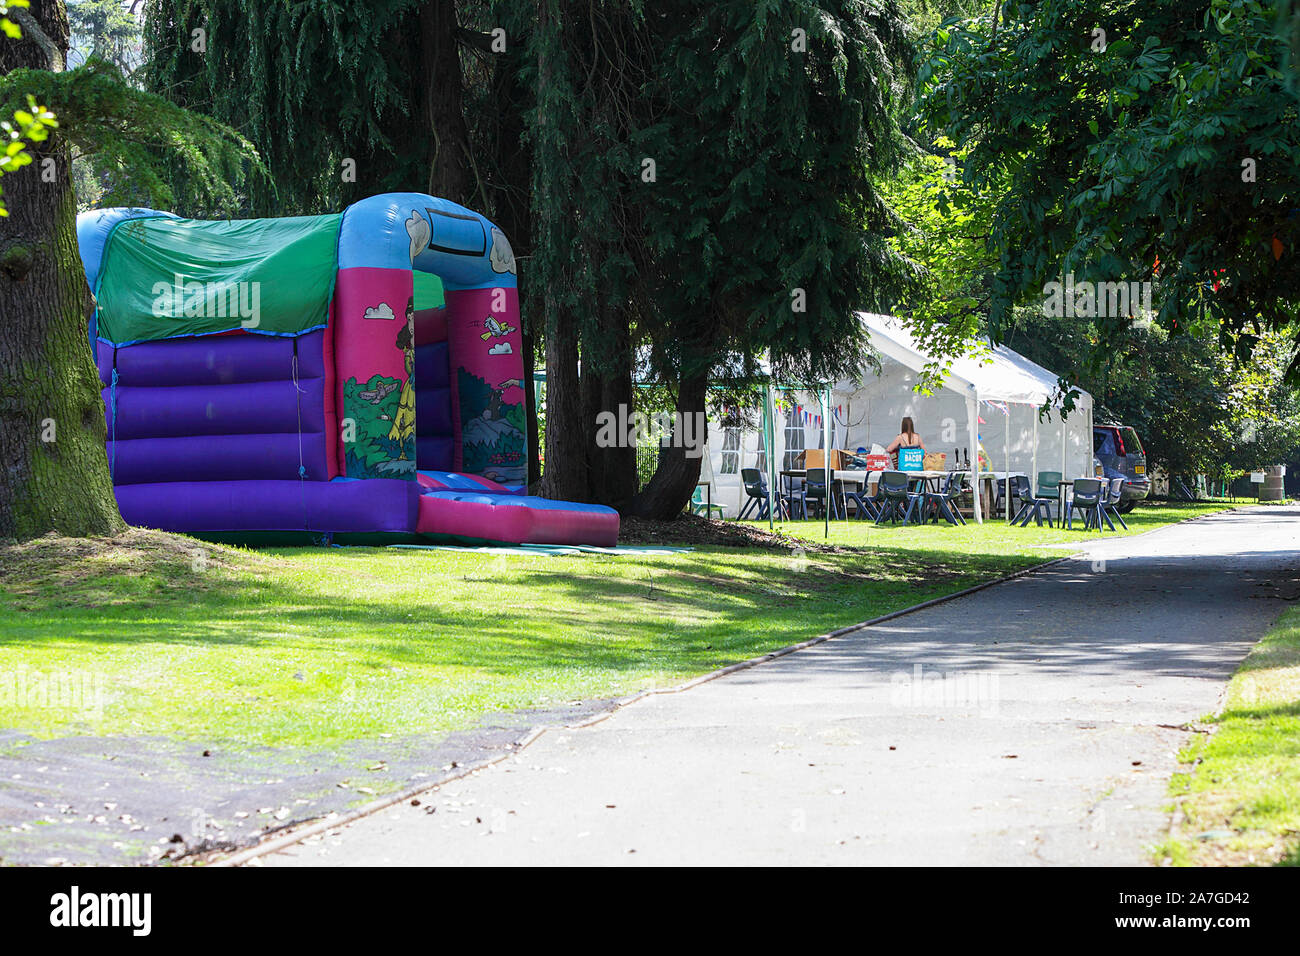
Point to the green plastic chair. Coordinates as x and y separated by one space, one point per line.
699 506
1047 489
1047 484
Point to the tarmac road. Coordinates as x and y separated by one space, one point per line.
1035 722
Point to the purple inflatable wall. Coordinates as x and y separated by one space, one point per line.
434 441
228 433
217 408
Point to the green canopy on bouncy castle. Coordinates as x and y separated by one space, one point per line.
164 277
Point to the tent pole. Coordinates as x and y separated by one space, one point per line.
1033 479
1006 463
1064 476
769 440
973 414
1088 442
826 460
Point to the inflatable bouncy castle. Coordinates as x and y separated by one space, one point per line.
355 376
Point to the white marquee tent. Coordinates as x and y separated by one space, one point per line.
991 400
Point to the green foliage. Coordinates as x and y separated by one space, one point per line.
651 402
1127 160
946 240
141 137
1288 29
797 141
585 71
924 16
30 125
1266 411
1195 412
312 84
104 30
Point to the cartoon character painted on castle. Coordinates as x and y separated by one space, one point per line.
403 430
379 423
501 256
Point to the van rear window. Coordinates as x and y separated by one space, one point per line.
1132 446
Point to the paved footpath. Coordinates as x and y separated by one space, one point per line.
1035 722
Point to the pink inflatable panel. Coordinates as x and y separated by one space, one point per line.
514 519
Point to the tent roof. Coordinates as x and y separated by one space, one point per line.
1003 375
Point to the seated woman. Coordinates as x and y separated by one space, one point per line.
907 438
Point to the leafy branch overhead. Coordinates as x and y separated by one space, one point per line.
944 237
30 125
1140 140
141 135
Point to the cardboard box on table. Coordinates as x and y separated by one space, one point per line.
816 458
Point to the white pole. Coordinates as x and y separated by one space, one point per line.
1033 479
973 414
1063 440
1087 444
1060 490
769 439
1006 463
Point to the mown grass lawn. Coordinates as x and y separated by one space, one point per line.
995 536
309 646
1240 797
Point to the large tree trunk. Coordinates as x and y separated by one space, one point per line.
509 196
607 391
54 475
678 471
531 429
611 468
451 171
565 475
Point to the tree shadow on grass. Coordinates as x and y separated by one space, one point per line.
694 610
